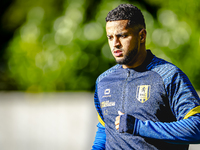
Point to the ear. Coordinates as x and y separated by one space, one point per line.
142 35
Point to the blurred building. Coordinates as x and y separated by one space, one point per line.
50 121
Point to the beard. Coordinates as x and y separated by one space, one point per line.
128 58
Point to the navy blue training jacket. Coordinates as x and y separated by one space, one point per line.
161 98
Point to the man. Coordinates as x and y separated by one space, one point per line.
143 102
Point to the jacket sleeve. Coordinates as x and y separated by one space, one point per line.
185 131
185 105
100 139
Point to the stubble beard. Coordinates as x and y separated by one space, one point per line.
128 58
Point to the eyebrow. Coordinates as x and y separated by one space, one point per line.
119 34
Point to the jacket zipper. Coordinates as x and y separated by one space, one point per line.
124 91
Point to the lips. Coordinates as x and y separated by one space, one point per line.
117 53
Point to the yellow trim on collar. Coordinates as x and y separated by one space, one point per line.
192 112
101 120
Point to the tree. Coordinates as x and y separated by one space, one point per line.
61 45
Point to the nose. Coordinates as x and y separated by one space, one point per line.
116 42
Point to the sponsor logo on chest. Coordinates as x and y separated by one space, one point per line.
107 103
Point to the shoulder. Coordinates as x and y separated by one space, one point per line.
107 72
164 68
160 65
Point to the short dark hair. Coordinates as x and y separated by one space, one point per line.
127 12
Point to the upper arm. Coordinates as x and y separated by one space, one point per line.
100 138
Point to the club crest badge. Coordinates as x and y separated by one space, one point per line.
143 93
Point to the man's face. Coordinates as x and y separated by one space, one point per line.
123 41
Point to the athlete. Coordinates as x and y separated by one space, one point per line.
143 102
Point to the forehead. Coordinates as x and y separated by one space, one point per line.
116 26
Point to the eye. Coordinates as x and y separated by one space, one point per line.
124 36
110 37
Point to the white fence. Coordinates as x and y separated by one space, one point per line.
50 121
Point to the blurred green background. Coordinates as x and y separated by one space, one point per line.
61 45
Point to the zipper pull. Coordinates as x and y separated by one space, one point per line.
128 73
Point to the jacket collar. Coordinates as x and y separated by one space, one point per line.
146 62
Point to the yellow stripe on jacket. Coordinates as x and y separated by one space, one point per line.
192 112
101 120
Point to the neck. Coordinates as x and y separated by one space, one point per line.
140 58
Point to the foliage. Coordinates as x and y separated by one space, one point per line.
62 45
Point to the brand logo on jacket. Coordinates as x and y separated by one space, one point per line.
107 104
143 93
107 93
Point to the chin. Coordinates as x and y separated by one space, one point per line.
124 60
120 61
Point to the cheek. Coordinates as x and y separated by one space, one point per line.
129 41
110 44
128 44
133 43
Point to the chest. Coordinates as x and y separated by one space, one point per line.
141 95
